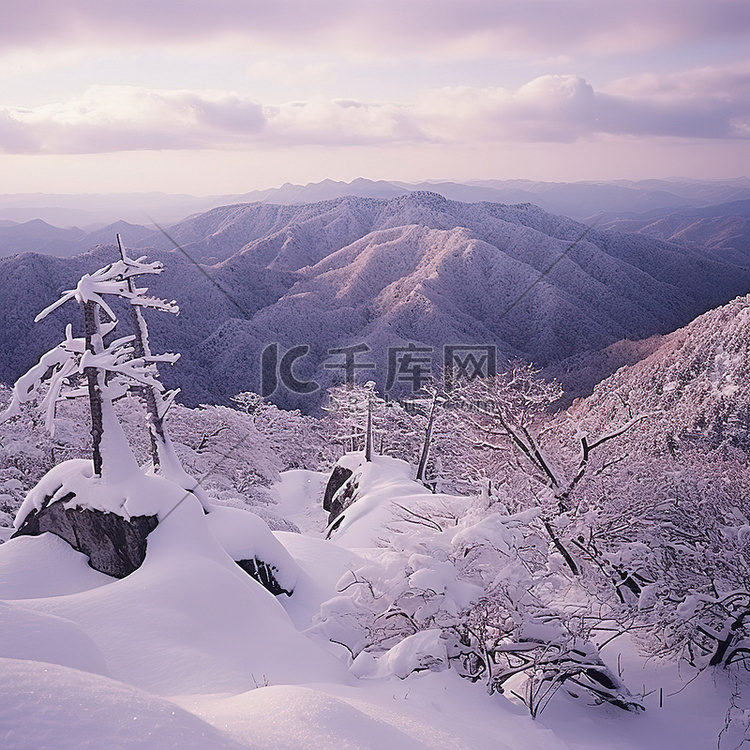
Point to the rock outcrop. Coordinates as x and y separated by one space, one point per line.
264 574
339 492
114 545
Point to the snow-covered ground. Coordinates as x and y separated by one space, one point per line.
190 652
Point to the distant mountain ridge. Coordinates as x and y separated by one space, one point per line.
578 200
723 229
383 272
37 236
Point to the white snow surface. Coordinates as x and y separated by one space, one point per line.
130 494
245 536
298 496
190 652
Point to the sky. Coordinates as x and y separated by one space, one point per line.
227 96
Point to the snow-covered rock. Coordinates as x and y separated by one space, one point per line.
109 522
250 543
339 492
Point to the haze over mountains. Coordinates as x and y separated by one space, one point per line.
77 217
723 229
385 272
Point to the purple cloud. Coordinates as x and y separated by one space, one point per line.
402 26
124 118
715 105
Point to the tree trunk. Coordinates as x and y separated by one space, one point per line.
425 453
368 435
93 337
147 394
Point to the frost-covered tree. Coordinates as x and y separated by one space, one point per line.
299 441
669 534
156 403
510 417
100 369
234 462
417 429
355 412
424 451
459 584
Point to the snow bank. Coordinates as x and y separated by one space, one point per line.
380 484
245 536
44 565
190 652
56 708
190 620
47 638
437 711
298 496
321 565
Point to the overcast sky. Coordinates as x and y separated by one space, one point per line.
222 96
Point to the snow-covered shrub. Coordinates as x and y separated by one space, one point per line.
298 441
483 586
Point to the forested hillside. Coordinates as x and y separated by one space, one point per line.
415 269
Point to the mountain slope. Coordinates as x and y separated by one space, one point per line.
385 272
37 236
723 230
30 282
433 271
697 381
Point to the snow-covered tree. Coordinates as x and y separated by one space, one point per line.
299 441
510 417
459 584
101 370
355 412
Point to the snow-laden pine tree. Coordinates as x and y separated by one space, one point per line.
99 367
107 507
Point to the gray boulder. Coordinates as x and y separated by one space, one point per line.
114 545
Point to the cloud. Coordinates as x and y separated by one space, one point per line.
712 102
709 104
342 122
125 118
438 27
725 83
549 108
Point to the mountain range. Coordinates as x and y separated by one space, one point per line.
583 201
385 272
723 229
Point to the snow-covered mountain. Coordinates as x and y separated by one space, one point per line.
723 229
30 280
576 199
37 236
385 272
579 200
696 382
